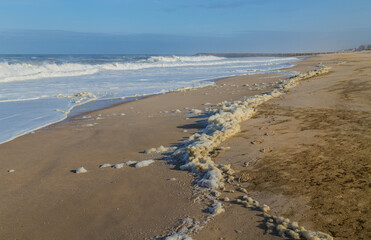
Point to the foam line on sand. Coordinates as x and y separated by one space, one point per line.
194 154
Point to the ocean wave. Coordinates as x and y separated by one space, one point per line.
183 58
10 72
28 71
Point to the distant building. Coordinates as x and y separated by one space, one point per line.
364 47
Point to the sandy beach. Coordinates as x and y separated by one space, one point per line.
305 154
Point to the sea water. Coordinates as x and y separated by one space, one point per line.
37 90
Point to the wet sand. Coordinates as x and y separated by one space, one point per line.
299 140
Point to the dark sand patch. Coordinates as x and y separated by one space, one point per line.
333 173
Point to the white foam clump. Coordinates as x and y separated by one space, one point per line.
144 163
194 155
183 232
105 165
196 111
159 149
283 226
81 170
176 111
178 236
119 165
216 208
124 164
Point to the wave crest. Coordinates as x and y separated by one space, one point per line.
27 71
30 71
183 58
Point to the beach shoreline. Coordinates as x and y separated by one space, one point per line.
85 101
128 203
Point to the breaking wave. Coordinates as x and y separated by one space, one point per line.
183 58
22 71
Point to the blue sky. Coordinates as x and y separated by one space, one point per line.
182 26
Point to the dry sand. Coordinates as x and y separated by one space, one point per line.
308 154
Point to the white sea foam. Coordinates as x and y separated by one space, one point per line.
144 163
178 236
124 164
194 154
159 149
216 208
81 170
223 124
105 165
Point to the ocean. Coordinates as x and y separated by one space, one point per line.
37 90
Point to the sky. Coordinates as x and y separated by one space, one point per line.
182 26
